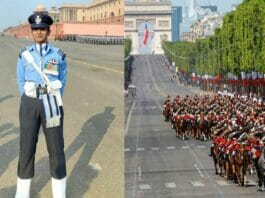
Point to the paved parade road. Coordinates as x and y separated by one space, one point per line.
93 125
157 165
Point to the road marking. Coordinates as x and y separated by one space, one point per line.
136 158
185 147
223 182
89 64
156 129
139 173
197 183
171 147
144 186
170 185
198 169
153 107
127 149
96 66
129 118
140 149
9 137
200 146
155 148
217 189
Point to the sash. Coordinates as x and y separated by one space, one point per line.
53 99
52 110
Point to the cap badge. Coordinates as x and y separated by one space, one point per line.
38 20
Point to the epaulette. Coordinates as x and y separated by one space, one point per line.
62 54
21 51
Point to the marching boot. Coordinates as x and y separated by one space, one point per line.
58 188
23 188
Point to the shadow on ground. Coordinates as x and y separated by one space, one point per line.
83 173
2 99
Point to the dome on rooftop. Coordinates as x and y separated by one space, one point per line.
40 8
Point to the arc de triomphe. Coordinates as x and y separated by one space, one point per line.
147 24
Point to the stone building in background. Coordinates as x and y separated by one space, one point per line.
101 18
99 11
148 24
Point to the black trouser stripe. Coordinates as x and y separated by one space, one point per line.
56 105
50 107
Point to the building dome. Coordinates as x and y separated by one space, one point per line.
40 8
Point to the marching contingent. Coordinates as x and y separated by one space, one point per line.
234 123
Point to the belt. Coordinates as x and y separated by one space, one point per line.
41 90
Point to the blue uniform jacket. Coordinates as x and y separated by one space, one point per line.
54 59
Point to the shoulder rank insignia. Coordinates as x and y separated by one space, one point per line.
62 54
21 51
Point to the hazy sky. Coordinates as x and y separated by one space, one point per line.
14 12
223 5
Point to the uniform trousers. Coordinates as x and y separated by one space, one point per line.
31 117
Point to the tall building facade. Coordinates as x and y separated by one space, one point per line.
176 20
74 20
204 27
99 11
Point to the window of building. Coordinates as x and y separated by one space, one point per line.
119 11
84 18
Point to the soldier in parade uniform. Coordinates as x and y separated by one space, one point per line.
41 78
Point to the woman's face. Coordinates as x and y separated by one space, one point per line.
40 35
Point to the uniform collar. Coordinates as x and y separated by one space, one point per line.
33 47
44 46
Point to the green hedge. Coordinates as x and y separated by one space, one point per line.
127 47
